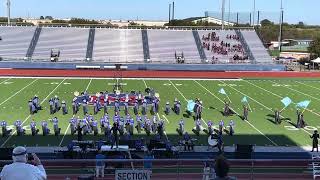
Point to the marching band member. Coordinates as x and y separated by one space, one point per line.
19 128
210 128
45 129
64 108
5 131
56 126
231 128
33 127
139 124
167 109
181 127
221 126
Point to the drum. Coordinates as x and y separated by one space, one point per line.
212 142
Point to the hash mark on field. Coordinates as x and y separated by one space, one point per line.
165 118
88 84
30 115
18 92
5 81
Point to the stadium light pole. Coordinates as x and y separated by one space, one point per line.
280 26
8 11
254 13
222 13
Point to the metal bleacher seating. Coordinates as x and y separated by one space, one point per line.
164 43
118 45
255 44
15 41
71 42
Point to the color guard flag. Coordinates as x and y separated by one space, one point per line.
190 105
286 101
303 104
244 100
222 91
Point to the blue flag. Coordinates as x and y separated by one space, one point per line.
222 91
303 104
286 101
190 105
244 100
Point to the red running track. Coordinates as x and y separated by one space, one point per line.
155 74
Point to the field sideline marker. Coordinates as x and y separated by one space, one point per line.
30 115
18 92
185 99
238 114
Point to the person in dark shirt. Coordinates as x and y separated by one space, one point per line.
315 138
114 131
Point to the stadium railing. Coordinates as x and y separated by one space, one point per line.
185 168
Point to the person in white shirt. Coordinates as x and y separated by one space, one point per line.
20 169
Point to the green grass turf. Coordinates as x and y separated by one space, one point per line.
263 95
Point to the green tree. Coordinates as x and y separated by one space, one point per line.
49 17
314 48
41 17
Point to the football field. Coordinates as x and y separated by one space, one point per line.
264 95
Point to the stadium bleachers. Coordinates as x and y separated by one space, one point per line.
164 43
71 42
126 45
258 50
15 41
118 45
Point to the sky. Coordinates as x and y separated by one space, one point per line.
295 10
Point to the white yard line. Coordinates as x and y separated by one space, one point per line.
156 79
238 114
184 98
266 106
5 81
308 85
166 119
301 93
145 83
65 133
276 95
18 92
30 115
88 84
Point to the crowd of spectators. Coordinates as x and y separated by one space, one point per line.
234 51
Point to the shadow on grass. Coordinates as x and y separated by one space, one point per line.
201 139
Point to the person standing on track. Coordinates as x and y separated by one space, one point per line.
315 138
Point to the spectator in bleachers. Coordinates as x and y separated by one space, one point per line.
20 169
100 164
221 168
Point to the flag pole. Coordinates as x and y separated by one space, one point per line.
249 107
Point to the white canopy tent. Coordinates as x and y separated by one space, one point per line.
315 61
